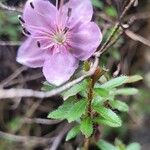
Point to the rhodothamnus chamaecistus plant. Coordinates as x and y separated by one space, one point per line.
58 37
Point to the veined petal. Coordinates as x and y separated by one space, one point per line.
30 55
85 40
59 67
39 13
80 11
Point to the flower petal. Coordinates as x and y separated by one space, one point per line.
85 40
30 55
59 67
39 13
81 11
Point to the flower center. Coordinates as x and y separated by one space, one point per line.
59 38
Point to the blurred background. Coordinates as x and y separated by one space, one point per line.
23 121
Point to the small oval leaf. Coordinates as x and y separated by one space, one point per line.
108 114
119 105
115 82
76 110
133 146
126 91
86 127
103 145
101 92
74 90
73 132
134 78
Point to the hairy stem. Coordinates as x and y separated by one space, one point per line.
86 143
90 97
89 110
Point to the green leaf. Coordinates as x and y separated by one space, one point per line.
86 127
74 90
134 78
47 86
73 133
119 144
98 4
62 111
76 110
106 122
108 114
114 82
103 145
101 92
70 110
134 146
111 11
126 91
98 100
121 106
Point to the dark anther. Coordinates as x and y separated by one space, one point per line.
38 44
21 19
66 29
69 12
31 4
26 31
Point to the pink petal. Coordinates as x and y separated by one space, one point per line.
81 11
43 13
30 55
85 40
59 67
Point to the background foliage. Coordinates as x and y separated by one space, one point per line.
22 116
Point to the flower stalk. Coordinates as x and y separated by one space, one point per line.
89 109
98 73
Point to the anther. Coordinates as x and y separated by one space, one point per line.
69 12
31 4
21 19
38 44
26 31
66 29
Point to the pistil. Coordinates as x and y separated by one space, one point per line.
59 38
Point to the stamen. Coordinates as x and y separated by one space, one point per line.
21 19
57 4
26 31
61 3
31 4
38 44
69 15
69 12
65 30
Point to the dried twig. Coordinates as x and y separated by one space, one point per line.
8 8
117 25
24 80
13 76
28 114
41 121
59 137
26 139
137 37
10 43
139 16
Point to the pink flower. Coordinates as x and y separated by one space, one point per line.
58 38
